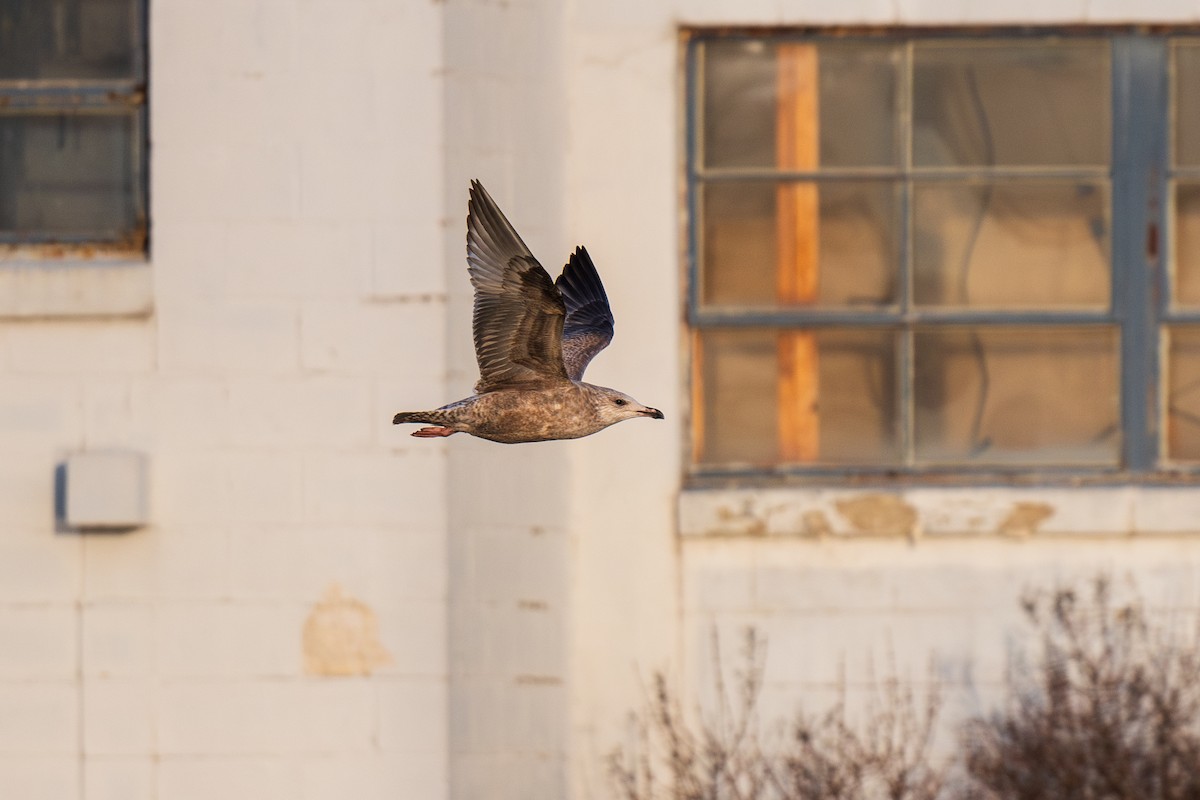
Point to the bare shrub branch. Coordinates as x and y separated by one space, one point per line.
1109 709
727 755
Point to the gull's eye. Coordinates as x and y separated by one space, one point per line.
619 401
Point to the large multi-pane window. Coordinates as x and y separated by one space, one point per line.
72 122
945 254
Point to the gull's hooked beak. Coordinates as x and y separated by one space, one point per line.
652 413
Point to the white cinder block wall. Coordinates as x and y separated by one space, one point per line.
509 596
299 299
324 607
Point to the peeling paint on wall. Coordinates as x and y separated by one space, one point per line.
1025 518
879 515
816 524
814 512
744 521
341 637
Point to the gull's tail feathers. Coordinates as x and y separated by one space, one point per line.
414 416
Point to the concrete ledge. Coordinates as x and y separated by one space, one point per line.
97 287
1015 512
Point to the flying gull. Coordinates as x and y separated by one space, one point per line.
533 339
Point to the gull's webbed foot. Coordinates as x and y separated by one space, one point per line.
432 432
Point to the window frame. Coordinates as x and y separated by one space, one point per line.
1141 176
92 96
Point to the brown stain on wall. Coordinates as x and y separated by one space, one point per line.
1025 518
744 521
816 524
879 515
539 680
341 637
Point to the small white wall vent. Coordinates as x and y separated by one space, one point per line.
105 490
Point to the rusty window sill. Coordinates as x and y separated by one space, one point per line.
919 512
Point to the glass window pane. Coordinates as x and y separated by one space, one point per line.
993 395
68 174
75 39
1010 103
1186 250
799 105
797 396
1020 244
830 244
1187 103
1183 393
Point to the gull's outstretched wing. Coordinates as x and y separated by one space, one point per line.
518 316
589 324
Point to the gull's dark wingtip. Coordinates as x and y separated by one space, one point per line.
477 195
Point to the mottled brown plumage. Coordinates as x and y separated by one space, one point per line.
534 338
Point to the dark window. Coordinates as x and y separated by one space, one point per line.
945 254
73 122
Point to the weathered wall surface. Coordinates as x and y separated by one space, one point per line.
279 628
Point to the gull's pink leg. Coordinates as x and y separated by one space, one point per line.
432 433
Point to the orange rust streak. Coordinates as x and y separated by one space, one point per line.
799 423
797 216
697 399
